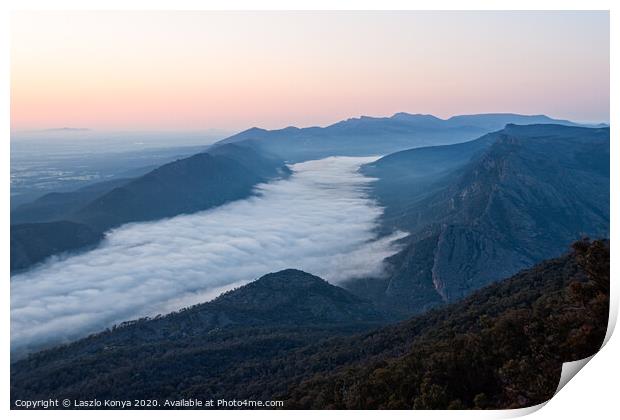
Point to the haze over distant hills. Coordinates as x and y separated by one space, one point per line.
188 185
367 136
67 129
184 186
476 211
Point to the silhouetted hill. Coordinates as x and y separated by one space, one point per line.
32 243
199 182
497 121
501 347
185 186
366 136
285 298
522 198
60 205
296 298
288 308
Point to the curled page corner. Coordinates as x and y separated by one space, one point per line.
613 318
569 370
521 412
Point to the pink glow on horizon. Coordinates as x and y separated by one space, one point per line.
198 70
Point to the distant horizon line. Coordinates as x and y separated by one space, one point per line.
248 127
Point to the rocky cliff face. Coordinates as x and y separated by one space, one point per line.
533 191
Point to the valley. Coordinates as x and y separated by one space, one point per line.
319 220
251 253
352 209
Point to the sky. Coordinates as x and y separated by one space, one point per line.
233 70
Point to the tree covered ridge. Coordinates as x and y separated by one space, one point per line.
507 356
501 347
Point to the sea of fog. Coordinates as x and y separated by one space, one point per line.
319 220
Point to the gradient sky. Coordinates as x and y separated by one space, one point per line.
232 70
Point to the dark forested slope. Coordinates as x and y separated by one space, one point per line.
276 313
32 243
184 186
501 347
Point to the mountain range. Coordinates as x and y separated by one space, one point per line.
227 171
478 308
370 136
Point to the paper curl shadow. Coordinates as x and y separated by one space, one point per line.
570 369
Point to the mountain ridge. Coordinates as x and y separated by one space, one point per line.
521 198
184 186
288 298
365 135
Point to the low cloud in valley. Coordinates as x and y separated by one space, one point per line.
319 220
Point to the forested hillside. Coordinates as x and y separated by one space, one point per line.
199 182
501 347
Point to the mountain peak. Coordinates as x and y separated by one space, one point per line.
253 130
292 296
417 117
291 279
285 298
284 282
67 129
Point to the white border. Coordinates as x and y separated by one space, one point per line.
592 394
